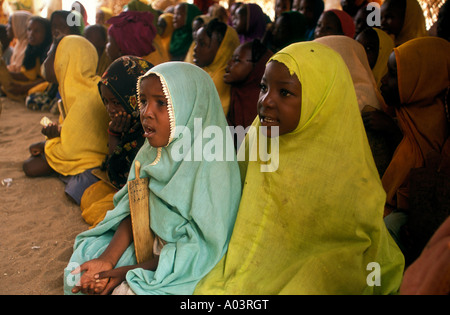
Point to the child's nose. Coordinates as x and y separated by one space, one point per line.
148 111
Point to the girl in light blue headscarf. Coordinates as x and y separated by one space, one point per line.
194 194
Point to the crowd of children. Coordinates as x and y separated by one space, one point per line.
357 116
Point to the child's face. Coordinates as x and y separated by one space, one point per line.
240 20
161 26
206 48
392 18
280 99
9 30
196 25
239 66
371 46
328 24
306 8
49 65
389 83
281 32
361 20
112 104
93 35
282 6
112 49
59 27
179 17
154 114
35 33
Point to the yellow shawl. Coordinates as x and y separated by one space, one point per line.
315 225
386 45
414 23
190 54
83 141
160 54
166 36
217 68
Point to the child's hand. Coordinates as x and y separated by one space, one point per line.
37 149
115 276
89 283
120 123
52 131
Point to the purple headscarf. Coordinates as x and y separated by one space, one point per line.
256 23
134 32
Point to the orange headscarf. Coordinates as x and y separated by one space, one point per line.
414 23
423 67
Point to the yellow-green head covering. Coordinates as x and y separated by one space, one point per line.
315 225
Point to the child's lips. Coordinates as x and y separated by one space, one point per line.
268 121
148 131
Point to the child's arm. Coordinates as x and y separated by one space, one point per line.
107 260
117 276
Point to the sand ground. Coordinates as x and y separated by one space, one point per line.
38 223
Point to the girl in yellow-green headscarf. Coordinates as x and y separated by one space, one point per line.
314 225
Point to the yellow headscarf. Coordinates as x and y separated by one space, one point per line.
160 54
315 225
217 68
83 141
166 36
414 23
190 54
386 45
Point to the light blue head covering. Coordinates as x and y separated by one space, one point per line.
193 202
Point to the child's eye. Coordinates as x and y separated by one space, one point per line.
285 92
263 87
161 103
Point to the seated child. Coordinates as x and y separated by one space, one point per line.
98 36
214 46
250 22
45 96
335 22
244 72
402 19
289 27
192 213
29 76
181 39
198 22
313 226
378 46
79 142
118 91
5 41
312 10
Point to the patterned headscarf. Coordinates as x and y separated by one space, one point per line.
121 78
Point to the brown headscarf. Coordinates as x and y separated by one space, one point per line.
423 67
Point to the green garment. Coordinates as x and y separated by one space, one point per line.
315 225
182 37
193 204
